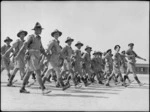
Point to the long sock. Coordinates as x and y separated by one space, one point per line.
11 78
44 79
136 78
49 77
125 77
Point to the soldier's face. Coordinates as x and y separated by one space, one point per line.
130 47
8 42
56 35
118 49
89 50
22 35
109 52
79 46
69 42
38 31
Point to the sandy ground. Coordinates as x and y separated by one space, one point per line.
95 97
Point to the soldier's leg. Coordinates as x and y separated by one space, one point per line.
54 76
12 76
121 79
73 77
33 76
8 72
46 75
25 81
98 76
59 76
126 75
109 78
22 73
39 79
44 71
80 75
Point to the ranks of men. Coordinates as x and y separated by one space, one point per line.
64 64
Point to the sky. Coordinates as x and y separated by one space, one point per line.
99 24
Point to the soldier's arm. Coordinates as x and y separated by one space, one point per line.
43 51
138 56
105 56
15 44
2 49
84 57
64 50
24 46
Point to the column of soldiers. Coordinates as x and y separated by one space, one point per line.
65 64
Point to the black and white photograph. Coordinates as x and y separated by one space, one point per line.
75 55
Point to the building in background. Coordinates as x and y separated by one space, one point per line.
142 68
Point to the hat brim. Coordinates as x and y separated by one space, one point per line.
109 51
99 53
69 40
88 48
6 40
52 34
79 44
22 32
94 53
37 27
130 44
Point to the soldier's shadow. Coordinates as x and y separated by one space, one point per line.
137 87
71 95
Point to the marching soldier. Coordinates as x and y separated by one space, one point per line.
35 48
5 60
19 63
123 66
108 62
78 61
67 53
54 52
97 65
116 66
87 63
131 58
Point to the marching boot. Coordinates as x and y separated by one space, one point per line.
107 82
136 78
8 76
10 80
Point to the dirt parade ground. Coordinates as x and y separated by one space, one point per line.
94 97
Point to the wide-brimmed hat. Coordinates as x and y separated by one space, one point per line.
131 44
8 39
123 52
109 50
56 31
95 52
88 47
116 46
99 52
22 31
79 43
37 25
69 39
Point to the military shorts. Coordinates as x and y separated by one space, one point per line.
66 65
131 67
108 69
123 69
20 63
5 63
